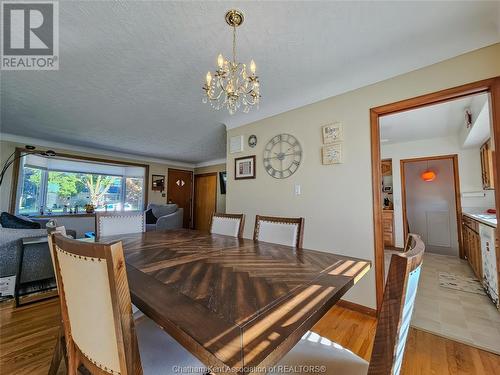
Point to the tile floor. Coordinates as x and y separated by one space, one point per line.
461 316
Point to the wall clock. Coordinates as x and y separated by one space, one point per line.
282 156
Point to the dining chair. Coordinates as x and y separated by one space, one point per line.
99 330
392 327
280 230
110 224
227 224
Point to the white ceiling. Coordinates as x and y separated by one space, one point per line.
131 72
435 121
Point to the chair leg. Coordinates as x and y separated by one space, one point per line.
59 353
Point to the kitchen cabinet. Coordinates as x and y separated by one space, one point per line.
472 245
387 167
487 165
388 227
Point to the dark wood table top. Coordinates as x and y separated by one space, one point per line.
233 302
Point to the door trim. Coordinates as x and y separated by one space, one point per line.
456 187
491 86
215 174
192 191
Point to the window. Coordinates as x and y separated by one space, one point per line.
56 185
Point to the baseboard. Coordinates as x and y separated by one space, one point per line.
358 308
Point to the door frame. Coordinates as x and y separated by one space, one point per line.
491 86
191 195
456 188
194 194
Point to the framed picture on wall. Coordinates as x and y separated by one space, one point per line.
244 167
158 182
332 154
333 133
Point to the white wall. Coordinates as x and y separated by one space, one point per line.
336 200
469 169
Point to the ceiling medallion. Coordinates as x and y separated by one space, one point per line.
231 86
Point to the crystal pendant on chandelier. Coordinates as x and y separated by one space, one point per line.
232 86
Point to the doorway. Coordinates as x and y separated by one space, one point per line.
489 86
431 206
180 192
205 199
442 188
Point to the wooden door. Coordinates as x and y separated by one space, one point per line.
205 199
180 192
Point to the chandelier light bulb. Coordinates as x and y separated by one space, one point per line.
209 78
253 67
220 60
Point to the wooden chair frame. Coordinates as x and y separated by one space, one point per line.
281 220
390 317
128 349
241 217
99 215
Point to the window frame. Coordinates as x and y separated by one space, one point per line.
17 173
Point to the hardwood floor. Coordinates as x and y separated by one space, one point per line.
28 335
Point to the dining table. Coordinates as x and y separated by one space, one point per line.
236 304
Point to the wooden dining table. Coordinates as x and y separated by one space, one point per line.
236 304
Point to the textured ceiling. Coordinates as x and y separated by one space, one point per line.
131 72
434 121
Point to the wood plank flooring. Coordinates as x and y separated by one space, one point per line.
28 335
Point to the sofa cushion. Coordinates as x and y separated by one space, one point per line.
160 210
150 218
11 221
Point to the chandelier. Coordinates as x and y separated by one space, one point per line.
231 86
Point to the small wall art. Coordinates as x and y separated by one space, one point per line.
244 167
333 133
332 154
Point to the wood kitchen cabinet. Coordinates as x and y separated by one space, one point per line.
387 167
487 165
388 227
472 245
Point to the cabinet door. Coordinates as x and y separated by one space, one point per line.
486 153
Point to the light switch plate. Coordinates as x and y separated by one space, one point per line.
297 190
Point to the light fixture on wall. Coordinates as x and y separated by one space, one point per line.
231 86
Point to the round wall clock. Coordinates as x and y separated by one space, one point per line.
282 156
252 140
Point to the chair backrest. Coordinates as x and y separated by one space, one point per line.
397 307
110 224
228 224
280 230
95 306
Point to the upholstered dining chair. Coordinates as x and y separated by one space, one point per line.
392 327
99 330
227 224
279 230
110 224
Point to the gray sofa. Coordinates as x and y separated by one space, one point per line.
168 216
37 264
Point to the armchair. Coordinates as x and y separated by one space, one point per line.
163 217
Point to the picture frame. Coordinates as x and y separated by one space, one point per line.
332 154
157 182
332 133
244 167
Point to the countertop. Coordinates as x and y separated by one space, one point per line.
487 219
